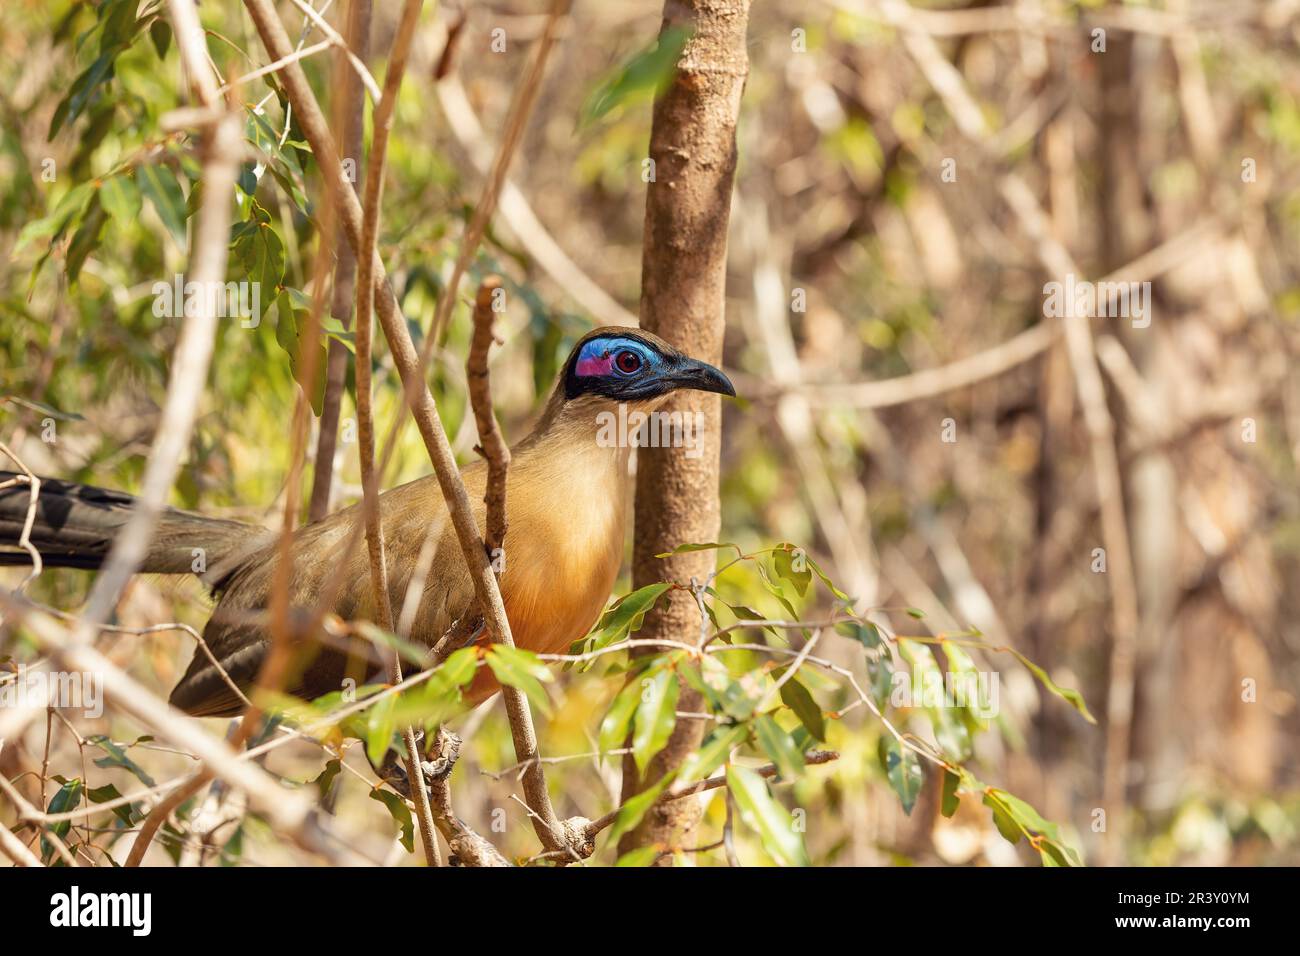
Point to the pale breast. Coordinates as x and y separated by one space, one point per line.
563 552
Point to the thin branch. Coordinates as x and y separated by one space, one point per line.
280 64
351 113
383 121
995 360
491 445
159 814
28 813
366 78
29 478
16 850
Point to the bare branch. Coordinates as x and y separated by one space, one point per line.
25 538
351 110
383 121
15 849
491 445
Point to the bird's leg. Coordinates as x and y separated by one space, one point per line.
443 754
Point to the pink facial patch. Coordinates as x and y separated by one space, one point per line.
595 365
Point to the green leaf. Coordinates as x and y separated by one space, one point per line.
627 614
401 815
83 91
258 255
120 196
233 851
975 706
376 635
124 812
117 758
380 725
325 779
633 809
515 667
67 798
830 585
613 729
53 226
641 856
776 591
656 716
950 800
784 561
928 680
864 632
766 817
778 746
85 239
706 546
1002 820
902 769
800 700
1072 697
700 763
290 325
160 32
433 701
44 409
1014 817
643 74
159 186
744 613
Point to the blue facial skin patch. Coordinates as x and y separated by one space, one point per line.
597 357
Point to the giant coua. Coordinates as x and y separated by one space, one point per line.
566 498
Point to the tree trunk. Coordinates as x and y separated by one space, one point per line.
683 285
349 118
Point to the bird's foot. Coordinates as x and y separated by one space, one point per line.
442 760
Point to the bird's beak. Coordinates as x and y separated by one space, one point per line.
702 377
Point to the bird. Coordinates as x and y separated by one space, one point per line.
566 494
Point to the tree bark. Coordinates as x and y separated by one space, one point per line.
683 285
351 110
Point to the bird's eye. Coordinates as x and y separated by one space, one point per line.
627 362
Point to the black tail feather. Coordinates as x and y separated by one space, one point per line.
75 524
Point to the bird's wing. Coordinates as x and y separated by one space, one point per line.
236 634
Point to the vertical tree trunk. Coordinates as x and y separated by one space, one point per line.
351 111
683 284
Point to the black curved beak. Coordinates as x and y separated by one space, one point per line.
702 377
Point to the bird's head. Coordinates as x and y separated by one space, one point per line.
618 364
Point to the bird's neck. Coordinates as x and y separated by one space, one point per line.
582 433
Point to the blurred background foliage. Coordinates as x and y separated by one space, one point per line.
853 260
